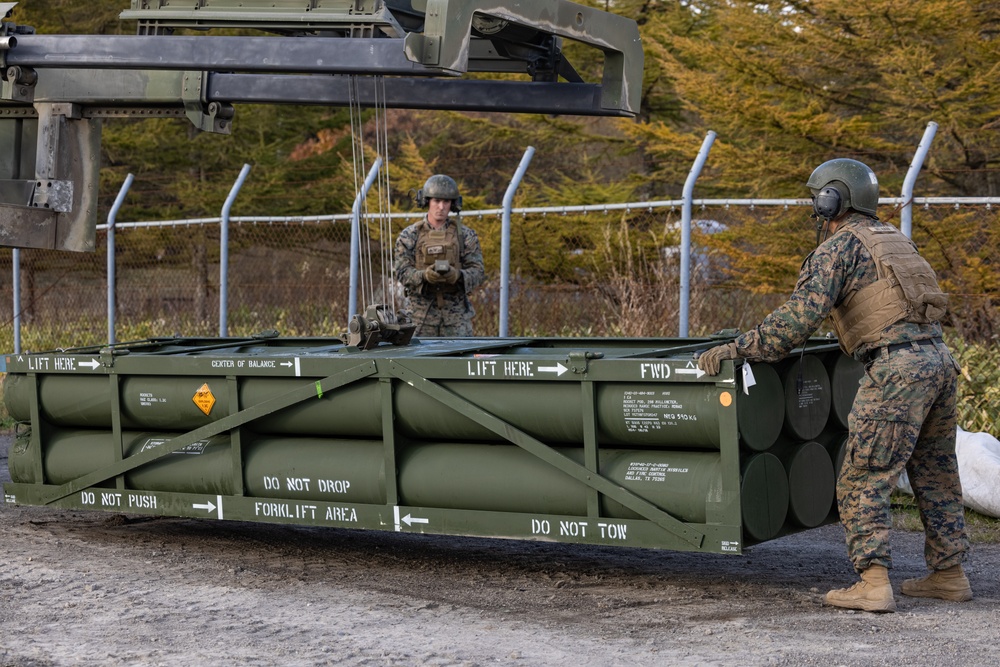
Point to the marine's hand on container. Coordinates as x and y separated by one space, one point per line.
451 277
710 360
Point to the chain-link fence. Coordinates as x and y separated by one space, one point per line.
600 272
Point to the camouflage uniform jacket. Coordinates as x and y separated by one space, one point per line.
455 309
837 268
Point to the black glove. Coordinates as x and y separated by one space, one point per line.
710 360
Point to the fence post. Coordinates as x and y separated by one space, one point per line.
508 202
906 214
352 299
224 252
112 218
16 263
699 162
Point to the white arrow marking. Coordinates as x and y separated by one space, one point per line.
697 372
409 521
558 369
286 363
204 506
93 363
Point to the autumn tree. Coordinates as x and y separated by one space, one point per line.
790 84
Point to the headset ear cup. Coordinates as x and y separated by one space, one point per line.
456 205
421 199
828 203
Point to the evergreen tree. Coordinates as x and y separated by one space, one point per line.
788 85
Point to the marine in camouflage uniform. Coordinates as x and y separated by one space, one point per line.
439 302
903 416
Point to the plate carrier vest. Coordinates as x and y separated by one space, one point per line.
437 244
906 289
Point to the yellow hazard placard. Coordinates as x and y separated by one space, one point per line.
204 399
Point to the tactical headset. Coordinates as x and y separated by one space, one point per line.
423 201
440 186
830 201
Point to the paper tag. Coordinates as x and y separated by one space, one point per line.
748 379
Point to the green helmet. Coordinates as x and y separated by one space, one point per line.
440 186
843 183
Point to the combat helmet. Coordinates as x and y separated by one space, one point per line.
440 186
843 183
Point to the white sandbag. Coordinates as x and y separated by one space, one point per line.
979 470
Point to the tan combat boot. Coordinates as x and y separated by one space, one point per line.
950 584
872 593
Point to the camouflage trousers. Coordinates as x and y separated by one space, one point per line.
903 418
452 317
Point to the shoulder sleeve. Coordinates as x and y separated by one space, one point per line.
819 288
404 263
473 269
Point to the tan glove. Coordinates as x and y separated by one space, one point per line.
433 277
710 360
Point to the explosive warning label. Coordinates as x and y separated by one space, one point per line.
204 398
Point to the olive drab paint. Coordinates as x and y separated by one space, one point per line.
621 442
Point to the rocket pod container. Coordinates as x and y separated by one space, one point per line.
603 441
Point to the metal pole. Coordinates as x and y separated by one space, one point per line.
16 261
112 217
687 198
508 202
906 215
352 300
224 252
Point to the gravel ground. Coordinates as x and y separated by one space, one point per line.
91 588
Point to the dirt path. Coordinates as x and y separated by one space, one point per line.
79 588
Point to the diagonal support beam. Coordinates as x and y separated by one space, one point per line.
546 453
226 423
